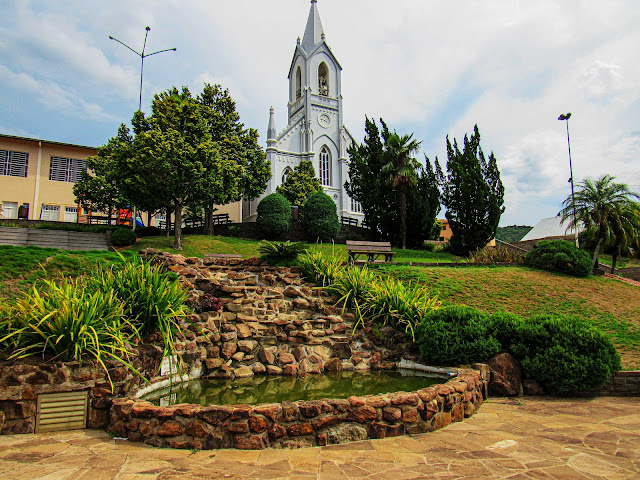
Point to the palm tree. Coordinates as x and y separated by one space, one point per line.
400 168
600 206
626 232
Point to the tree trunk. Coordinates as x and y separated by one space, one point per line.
109 214
403 215
614 260
595 254
167 222
208 220
177 239
149 218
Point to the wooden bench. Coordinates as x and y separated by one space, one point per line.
220 218
372 250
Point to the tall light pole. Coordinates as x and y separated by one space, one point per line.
142 57
565 117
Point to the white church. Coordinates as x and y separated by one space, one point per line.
315 129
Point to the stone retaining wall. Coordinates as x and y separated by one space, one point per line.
302 423
625 383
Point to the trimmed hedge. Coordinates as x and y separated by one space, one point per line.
320 218
565 354
274 215
123 237
559 256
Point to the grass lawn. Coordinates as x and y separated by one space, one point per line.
198 245
611 305
21 267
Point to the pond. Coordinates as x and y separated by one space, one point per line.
276 389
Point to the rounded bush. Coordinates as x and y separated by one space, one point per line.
274 215
566 354
123 237
456 335
559 256
321 217
148 232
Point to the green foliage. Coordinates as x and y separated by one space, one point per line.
274 215
320 218
607 211
455 336
512 233
300 183
277 253
351 285
67 322
559 256
123 237
499 254
148 231
381 205
436 230
568 355
429 247
320 267
472 193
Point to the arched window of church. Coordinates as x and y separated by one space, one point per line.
325 166
285 174
298 83
323 80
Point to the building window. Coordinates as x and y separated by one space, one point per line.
323 80
71 214
9 210
298 83
66 169
355 206
325 166
285 174
14 164
50 213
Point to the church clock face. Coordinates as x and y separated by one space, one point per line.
324 120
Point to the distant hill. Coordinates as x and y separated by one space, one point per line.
512 233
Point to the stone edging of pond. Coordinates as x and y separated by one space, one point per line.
302 423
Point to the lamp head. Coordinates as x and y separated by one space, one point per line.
110 37
564 116
147 28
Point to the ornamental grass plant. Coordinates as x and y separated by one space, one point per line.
277 253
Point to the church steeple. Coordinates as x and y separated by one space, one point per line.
271 131
313 33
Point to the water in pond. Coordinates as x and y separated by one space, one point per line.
275 389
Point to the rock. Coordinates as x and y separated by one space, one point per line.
392 414
301 303
532 387
323 352
342 350
286 358
266 356
362 414
229 348
299 353
273 370
247 346
506 375
346 433
213 363
292 292
291 370
243 330
243 372
333 365
258 368
238 356
170 429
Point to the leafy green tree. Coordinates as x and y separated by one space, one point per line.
381 205
401 171
97 191
321 217
301 182
606 209
472 193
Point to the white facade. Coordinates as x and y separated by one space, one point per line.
315 129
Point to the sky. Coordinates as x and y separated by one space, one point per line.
431 68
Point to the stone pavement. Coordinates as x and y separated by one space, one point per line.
522 439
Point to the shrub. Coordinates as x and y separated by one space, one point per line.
566 354
559 256
401 305
280 253
456 335
320 217
274 215
499 254
67 322
429 247
148 231
319 267
153 300
351 285
123 237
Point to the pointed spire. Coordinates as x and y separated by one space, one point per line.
313 33
271 129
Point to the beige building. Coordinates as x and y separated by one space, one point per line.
37 178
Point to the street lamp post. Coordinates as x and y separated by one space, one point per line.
142 57
565 117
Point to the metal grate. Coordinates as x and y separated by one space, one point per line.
14 164
61 411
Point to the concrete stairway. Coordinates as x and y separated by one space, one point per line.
61 239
